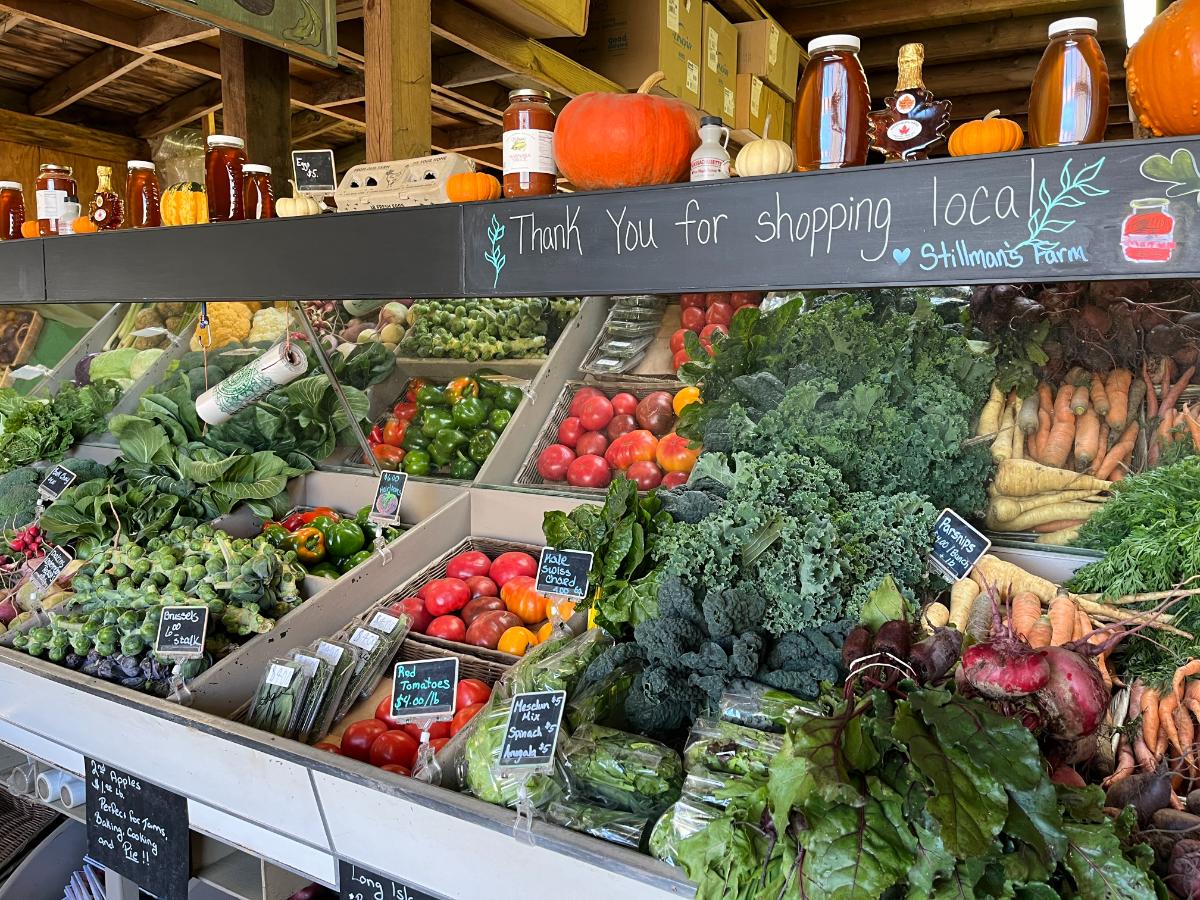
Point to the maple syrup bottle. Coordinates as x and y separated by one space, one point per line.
913 121
106 209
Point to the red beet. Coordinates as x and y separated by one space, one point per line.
1005 667
1074 698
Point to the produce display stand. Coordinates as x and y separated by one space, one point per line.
92 342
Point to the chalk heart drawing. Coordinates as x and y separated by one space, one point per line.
901 255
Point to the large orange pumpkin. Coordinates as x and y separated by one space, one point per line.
1163 71
605 140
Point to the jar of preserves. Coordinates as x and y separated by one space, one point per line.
1148 232
259 201
1068 103
54 187
224 164
141 195
529 169
12 210
833 129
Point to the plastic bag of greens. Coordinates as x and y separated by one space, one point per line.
755 705
279 701
484 777
730 749
621 770
612 825
682 820
603 701
561 669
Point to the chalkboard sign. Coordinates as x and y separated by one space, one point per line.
357 883
564 573
181 631
51 566
424 689
956 546
59 479
534 723
138 830
1054 214
315 171
389 493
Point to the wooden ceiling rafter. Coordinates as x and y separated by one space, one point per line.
878 17
104 66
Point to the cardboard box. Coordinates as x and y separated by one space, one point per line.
718 51
539 18
766 50
756 100
629 39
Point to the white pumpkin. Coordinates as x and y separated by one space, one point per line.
296 205
765 156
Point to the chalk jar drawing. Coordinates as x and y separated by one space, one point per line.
495 257
1148 232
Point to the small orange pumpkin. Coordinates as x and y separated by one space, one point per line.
1163 71
84 225
29 229
991 134
467 187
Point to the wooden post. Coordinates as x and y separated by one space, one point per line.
399 66
255 94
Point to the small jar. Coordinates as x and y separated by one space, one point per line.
141 195
1148 232
259 201
529 169
54 187
224 166
12 210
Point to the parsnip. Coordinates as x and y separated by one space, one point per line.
1062 538
935 616
1073 509
1007 508
1024 478
989 419
993 572
962 595
1002 447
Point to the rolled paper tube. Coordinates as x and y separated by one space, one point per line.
73 793
23 779
49 783
281 364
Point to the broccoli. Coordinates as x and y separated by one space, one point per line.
18 497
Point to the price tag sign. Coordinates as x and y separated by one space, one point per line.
424 689
59 479
181 631
138 830
534 724
385 508
52 565
564 572
314 171
956 546
357 883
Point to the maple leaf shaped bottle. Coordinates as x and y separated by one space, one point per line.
913 121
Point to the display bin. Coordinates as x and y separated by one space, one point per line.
92 342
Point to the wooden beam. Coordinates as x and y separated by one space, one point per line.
308 124
519 54
473 137
164 30
105 65
399 72
39 132
464 69
741 10
336 91
10 21
255 92
889 16
460 104
181 110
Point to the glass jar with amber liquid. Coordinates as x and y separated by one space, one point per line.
528 145
224 177
1068 103
832 106
106 210
142 195
54 189
259 199
12 210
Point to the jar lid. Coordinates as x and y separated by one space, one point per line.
226 140
528 92
55 167
11 186
140 164
256 169
711 120
834 41
1076 23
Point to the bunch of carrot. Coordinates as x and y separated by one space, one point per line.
1170 728
1165 422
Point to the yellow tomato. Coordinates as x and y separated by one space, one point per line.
543 633
685 397
516 640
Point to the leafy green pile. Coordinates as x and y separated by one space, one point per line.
621 771
365 365
19 490
930 796
885 395
34 429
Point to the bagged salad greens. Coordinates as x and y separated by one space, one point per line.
682 820
378 636
621 770
729 749
316 699
561 667
614 826
603 702
486 780
279 700
756 705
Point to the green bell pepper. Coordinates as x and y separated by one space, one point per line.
498 419
414 439
344 540
276 534
323 524
463 468
428 395
433 421
469 412
325 570
417 462
509 398
481 445
345 565
450 437
440 453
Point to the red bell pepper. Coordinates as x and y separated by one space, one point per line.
405 411
414 385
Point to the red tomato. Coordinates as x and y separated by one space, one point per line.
471 691
477 606
388 457
569 431
719 314
383 712
482 586
677 339
448 628
489 626
436 730
706 336
358 738
393 748
552 462
582 396
714 297
589 471
445 595
688 301
592 442
397 770
738 299
393 431
467 564
596 413
438 743
463 716
511 564
622 424
327 747
414 608
646 474
624 404
405 412
680 359
674 480
693 319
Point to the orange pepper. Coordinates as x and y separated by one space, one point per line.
517 640
685 397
